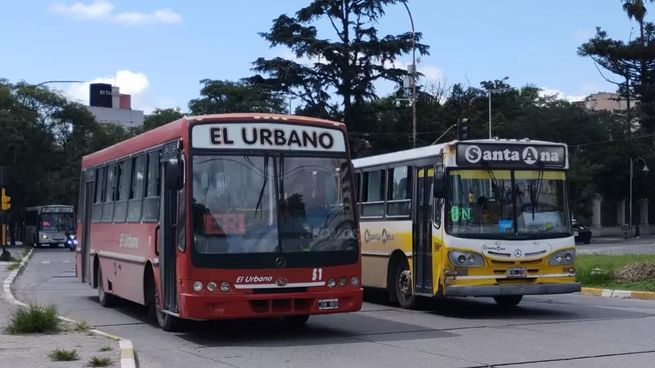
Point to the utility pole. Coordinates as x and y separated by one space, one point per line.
413 72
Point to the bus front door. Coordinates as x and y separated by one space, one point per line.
422 229
85 216
167 230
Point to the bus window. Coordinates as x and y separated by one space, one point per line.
398 192
151 202
122 187
109 193
96 215
136 188
373 194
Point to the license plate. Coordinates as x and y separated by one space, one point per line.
575 233
327 304
516 272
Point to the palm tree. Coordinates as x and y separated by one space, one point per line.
636 9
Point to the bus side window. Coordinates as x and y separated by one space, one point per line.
399 200
96 215
137 188
373 194
109 193
151 202
122 191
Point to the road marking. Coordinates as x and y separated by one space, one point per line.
45 262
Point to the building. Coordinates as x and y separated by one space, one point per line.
607 101
108 105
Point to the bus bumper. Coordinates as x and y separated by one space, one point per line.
496 290
230 306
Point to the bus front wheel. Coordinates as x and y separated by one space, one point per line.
402 285
165 321
508 301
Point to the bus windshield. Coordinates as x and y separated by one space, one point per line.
271 203
57 222
507 203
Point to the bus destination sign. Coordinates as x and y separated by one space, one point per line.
511 155
267 136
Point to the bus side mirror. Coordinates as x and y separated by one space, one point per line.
439 183
173 174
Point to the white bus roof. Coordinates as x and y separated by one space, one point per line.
434 150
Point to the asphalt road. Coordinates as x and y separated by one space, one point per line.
550 331
618 245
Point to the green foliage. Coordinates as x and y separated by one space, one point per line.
82 326
160 117
61 355
34 319
99 361
217 97
13 266
105 348
345 59
600 271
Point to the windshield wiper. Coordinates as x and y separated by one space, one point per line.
534 194
261 191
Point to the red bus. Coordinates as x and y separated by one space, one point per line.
223 216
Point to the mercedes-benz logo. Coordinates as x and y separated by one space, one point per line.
282 281
518 253
280 262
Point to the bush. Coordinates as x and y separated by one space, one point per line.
34 319
61 355
99 362
82 326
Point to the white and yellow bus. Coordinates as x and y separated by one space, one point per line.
467 218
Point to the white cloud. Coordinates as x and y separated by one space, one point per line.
430 72
99 9
549 92
132 83
104 10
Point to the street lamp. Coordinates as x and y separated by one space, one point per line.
58 81
413 71
645 170
489 93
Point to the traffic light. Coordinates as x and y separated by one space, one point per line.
6 201
464 129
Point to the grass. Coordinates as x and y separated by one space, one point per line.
61 355
82 326
13 266
34 319
105 348
599 271
99 361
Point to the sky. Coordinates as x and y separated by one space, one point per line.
158 51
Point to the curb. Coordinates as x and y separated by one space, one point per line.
621 294
128 358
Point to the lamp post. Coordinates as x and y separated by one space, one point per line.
413 72
491 91
645 170
58 81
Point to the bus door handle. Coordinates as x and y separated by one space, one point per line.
157 239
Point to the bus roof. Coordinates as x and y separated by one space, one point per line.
177 129
433 151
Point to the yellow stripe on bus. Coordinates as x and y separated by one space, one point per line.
505 174
430 173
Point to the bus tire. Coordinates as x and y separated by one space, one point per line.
402 285
508 301
296 321
165 321
106 300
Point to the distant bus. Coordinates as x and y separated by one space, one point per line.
48 225
223 216
467 218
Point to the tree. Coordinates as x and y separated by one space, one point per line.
634 61
348 63
161 117
217 97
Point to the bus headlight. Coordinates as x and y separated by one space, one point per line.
225 286
465 259
332 283
197 286
354 281
564 257
211 286
343 281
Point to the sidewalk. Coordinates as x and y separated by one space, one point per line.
28 351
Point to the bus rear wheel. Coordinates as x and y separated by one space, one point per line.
165 321
508 301
106 300
402 285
